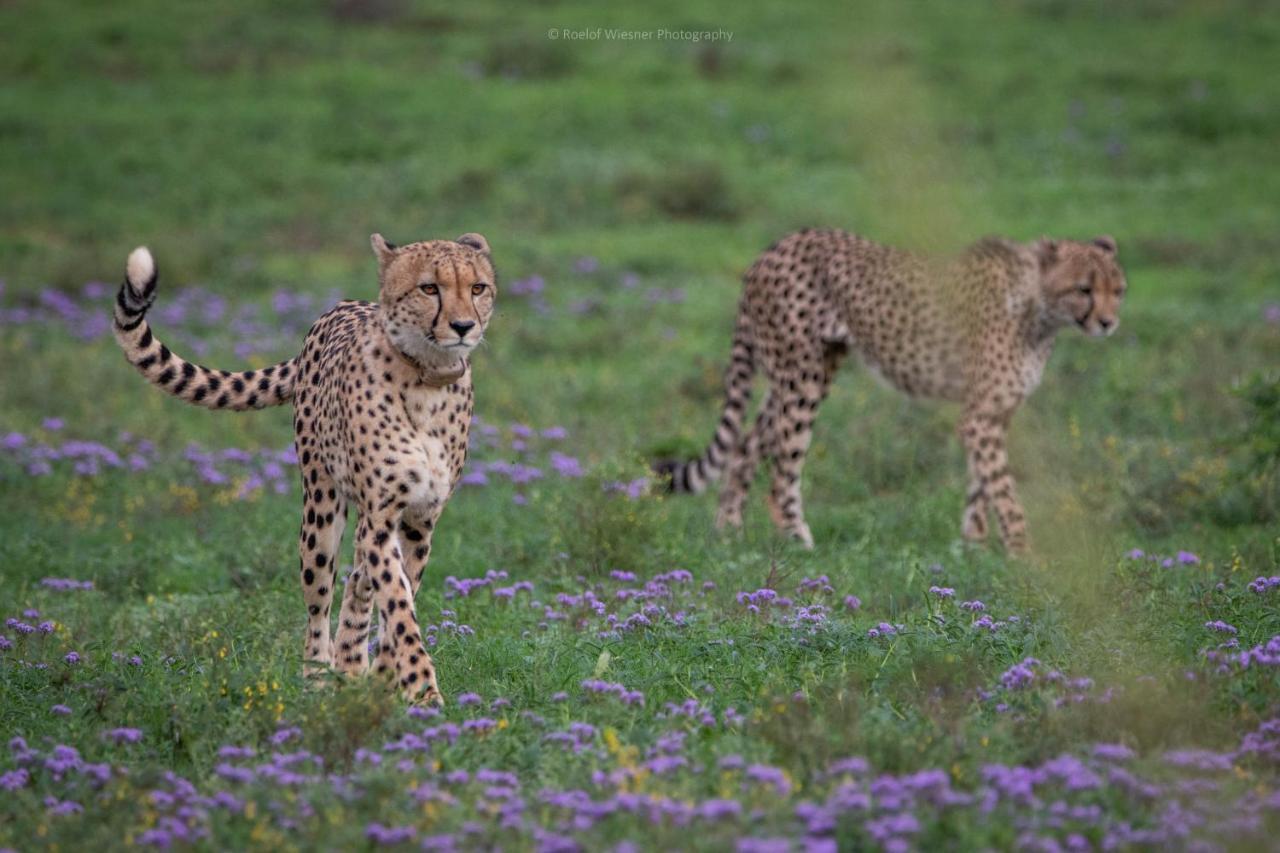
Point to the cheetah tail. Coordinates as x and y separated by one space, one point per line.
696 474
200 386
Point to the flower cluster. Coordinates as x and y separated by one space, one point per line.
618 691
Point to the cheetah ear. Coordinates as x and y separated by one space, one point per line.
1106 243
475 241
384 250
1047 251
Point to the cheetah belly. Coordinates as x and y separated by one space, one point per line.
924 367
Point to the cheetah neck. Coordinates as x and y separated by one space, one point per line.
1040 325
430 366
438 374
441 378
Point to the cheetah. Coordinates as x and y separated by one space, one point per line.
382 402
976 329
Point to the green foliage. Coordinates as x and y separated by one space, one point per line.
255 146
602 527
1254 472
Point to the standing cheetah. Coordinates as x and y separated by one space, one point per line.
976 330
382 405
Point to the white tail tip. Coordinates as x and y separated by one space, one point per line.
141 268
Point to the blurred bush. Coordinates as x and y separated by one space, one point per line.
685 191
1252 486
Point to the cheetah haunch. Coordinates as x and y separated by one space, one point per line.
976 330
382 405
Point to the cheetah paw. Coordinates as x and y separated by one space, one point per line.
728 522
973 525
429 698
1018 547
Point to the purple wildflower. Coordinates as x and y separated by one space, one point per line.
123 735
14 779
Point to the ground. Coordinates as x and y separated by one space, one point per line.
631 676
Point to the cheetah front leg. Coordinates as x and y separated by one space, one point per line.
415 544
984 430
410 663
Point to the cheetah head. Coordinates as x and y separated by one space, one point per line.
436 297
1083 284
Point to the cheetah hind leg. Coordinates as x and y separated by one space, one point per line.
784 520
741 470
973 521
794 405
792 433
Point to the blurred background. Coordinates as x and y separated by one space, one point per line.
625 182
627 162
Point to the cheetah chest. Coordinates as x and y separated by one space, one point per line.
1032 368
439 419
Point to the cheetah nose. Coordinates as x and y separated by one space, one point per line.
1105 323
462 326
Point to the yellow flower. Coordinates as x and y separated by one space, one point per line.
611 742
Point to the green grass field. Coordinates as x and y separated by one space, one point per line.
626 683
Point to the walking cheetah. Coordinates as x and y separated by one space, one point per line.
976 330
382 406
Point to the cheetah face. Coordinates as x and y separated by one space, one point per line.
1083 284
437 296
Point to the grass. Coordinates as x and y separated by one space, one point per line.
255 147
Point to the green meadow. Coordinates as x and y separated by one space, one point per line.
619 676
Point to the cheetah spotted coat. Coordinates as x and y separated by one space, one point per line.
977 330
382 406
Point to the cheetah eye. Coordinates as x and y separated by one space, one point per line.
479 288
1084 287
429 288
